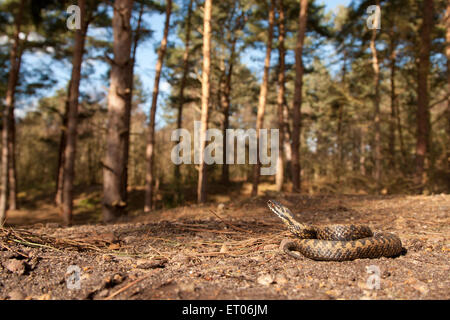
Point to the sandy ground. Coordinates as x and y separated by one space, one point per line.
229 251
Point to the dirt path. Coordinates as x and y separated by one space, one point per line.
191 253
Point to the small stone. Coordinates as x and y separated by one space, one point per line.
15 266
187 287
220 207
129 239
292 272
16 295
150 264
109 237
280 279
265 280
181 258
421 287
103 293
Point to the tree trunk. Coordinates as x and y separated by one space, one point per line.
62 147
447 52
303 16
263 95
279 179
126 150
287 147
202 179
423 115
226 103
339 153
392 162
72 118
15 59
12 173
376 102
362 150
340 144
177 173
115 166
400 135
149 177
226 98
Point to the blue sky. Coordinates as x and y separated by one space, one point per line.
145 62
146 57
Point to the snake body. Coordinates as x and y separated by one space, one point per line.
335 242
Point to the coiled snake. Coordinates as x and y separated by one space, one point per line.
335 242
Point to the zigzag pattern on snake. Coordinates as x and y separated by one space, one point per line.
335 242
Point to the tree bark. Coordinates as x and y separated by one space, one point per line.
150 176
72 118
303 16
12 172
202 179
392 140
177 173
340 143
226 96
362 151
279 179
263 96
287 147
126 150
447 53
62 147
376 102
8 116
423 115
114 165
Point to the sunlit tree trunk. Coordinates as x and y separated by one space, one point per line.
279 179
150 175
301 32
177 173
114 165
423 113
202 179
72 118
263 95
8 115
287 147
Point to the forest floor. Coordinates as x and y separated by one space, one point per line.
227 250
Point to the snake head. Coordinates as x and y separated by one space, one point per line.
281 211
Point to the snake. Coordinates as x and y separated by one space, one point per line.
334 242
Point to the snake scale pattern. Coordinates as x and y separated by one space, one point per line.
334 242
